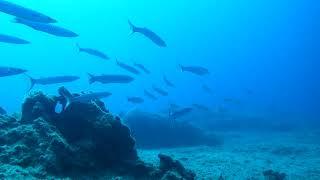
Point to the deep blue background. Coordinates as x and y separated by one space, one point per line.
270 47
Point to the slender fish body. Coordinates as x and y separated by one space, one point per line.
83 98
23 12
142 67
91 96
110 79
52 80
160 91
174 106
47 28
206 89
135 100
180 113
93 52
127 67
12 40
149 95
167 82
149 34
201 71
10 71
200 107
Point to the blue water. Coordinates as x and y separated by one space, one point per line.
270 47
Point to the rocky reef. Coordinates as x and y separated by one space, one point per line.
85 140
155 131
273 175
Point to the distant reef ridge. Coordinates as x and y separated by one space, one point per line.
153 131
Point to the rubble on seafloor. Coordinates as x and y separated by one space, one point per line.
84 140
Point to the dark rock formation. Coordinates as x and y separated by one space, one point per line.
30 148
81 142
38 105
2 111
170 166
273 175
154 131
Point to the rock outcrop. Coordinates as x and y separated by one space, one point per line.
273 175
155 131
84 140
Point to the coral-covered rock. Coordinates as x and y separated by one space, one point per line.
27 145
103 138
38 105
83 141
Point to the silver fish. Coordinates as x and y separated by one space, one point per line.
179 113
206 89
127 67
83 98
135 100
174 106
167 82
231 100
12 40
195 70
25 13
93 52
149 34
109 79
149 95
52 80
142 67
200 107
47 28
160 91
10 71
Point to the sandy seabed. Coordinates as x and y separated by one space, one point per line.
247 155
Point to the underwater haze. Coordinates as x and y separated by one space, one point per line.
267 46
261 57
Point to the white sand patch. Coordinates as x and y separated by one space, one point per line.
247 155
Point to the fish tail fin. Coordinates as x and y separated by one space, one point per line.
171 113
181 67
132 27
67 95
16 20
91 78
78 46
68 103
32 82
171 118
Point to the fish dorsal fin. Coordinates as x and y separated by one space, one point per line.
132 27
91 78
32 82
